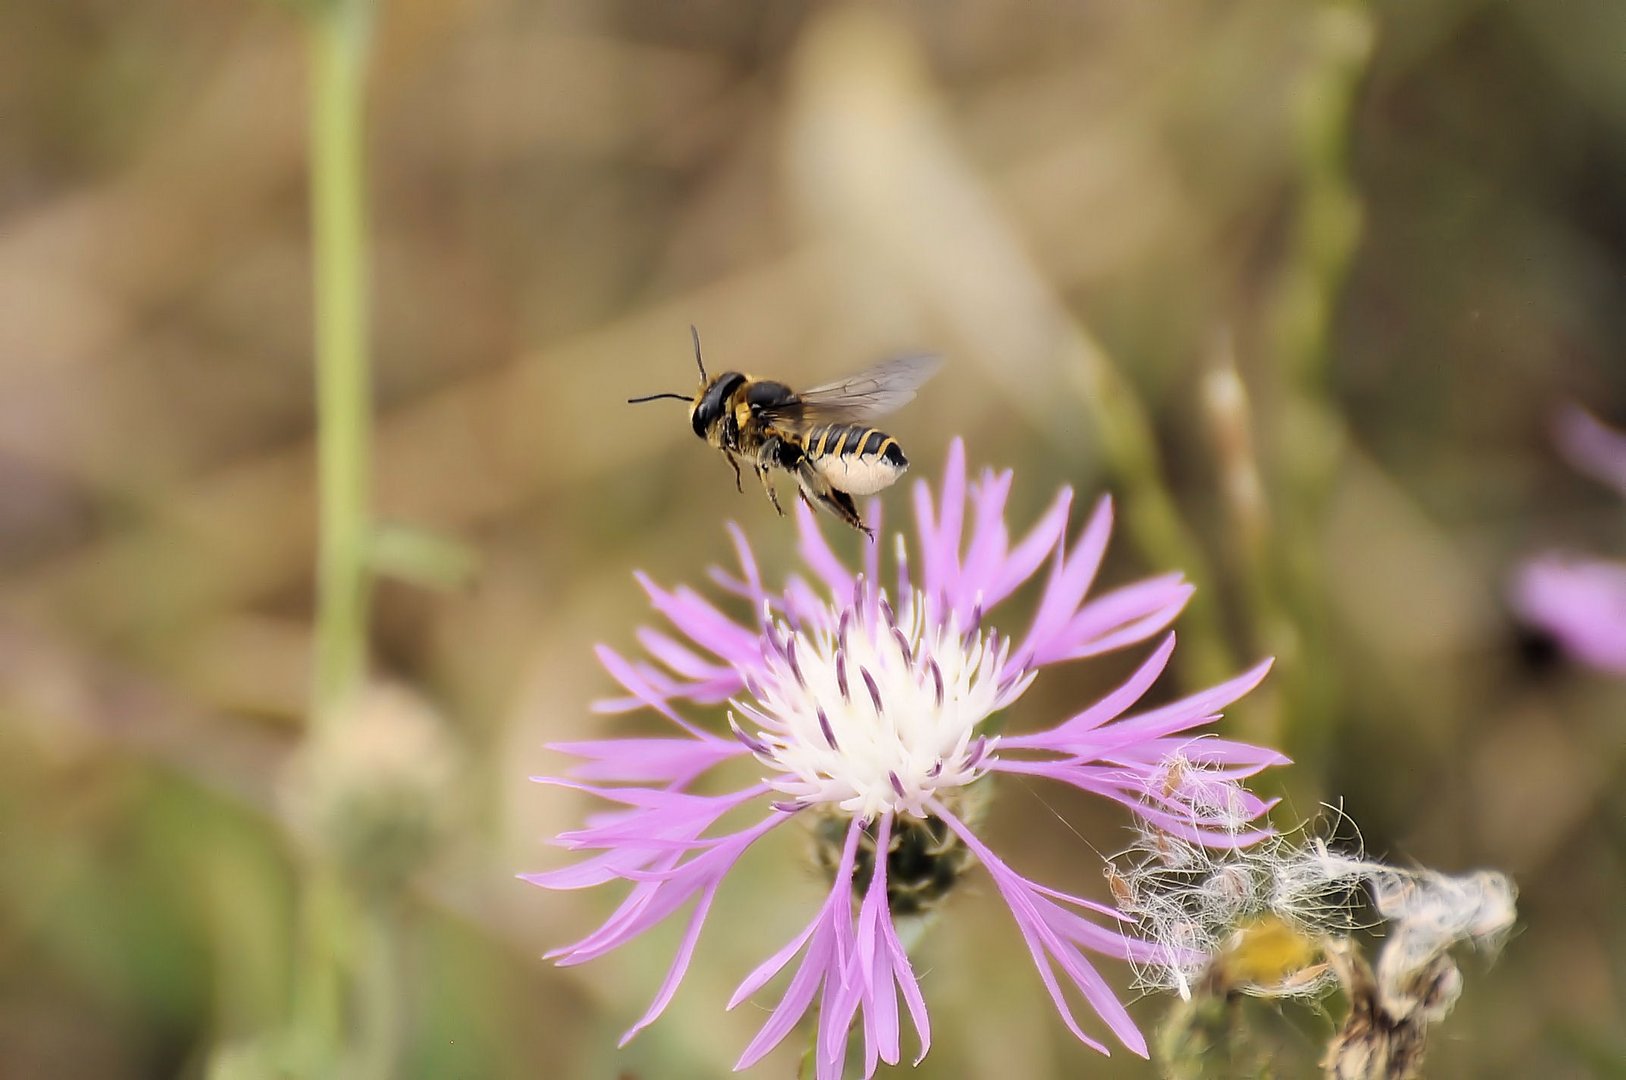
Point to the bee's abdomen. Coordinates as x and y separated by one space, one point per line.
857 460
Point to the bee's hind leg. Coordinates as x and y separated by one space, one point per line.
818 492
842 504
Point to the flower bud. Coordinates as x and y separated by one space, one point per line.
374 790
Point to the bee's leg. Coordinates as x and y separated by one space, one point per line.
767 486
773 496
767 458
846 510
818 492
732 461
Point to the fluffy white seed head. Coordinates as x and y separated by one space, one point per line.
1205 906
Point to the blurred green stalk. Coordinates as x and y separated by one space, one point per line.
381 1019
1228 411
348 950
340 31
1129 444
1309 431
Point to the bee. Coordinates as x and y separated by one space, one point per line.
818 436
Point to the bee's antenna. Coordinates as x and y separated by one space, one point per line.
696 335
680 397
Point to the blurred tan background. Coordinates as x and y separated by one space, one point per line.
1401 226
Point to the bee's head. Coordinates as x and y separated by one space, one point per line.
709 403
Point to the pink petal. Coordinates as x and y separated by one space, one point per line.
598 870
816 553
1026 559
682 661
989 540
942 549
648 760
1066 736
701 621
822 963
1187 712
1579 601
679 967
748 564
635 682
1223 757
663 892
1037 917
872 544
1122 617
1592 447
1070 578
771 966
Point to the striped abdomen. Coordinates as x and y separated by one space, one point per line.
857 460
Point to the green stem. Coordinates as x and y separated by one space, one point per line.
1309 436
1150 515
319 986
330 915
1229 412
380 1031
339 36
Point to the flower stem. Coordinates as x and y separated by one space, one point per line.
319 980
333 921
338 48
1310 437
380 1031
1151 517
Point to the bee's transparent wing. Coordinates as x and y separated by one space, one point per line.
867 395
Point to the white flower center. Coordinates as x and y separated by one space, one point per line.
875 711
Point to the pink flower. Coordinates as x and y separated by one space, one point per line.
864 711
1580 600
1592 447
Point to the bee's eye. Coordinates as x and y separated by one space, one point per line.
713 403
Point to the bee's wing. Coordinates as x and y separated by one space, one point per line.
868 395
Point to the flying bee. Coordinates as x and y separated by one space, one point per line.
818 436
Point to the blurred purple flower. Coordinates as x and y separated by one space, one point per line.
1592 447
866 709
1580 600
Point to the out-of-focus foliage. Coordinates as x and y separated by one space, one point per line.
1403 223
